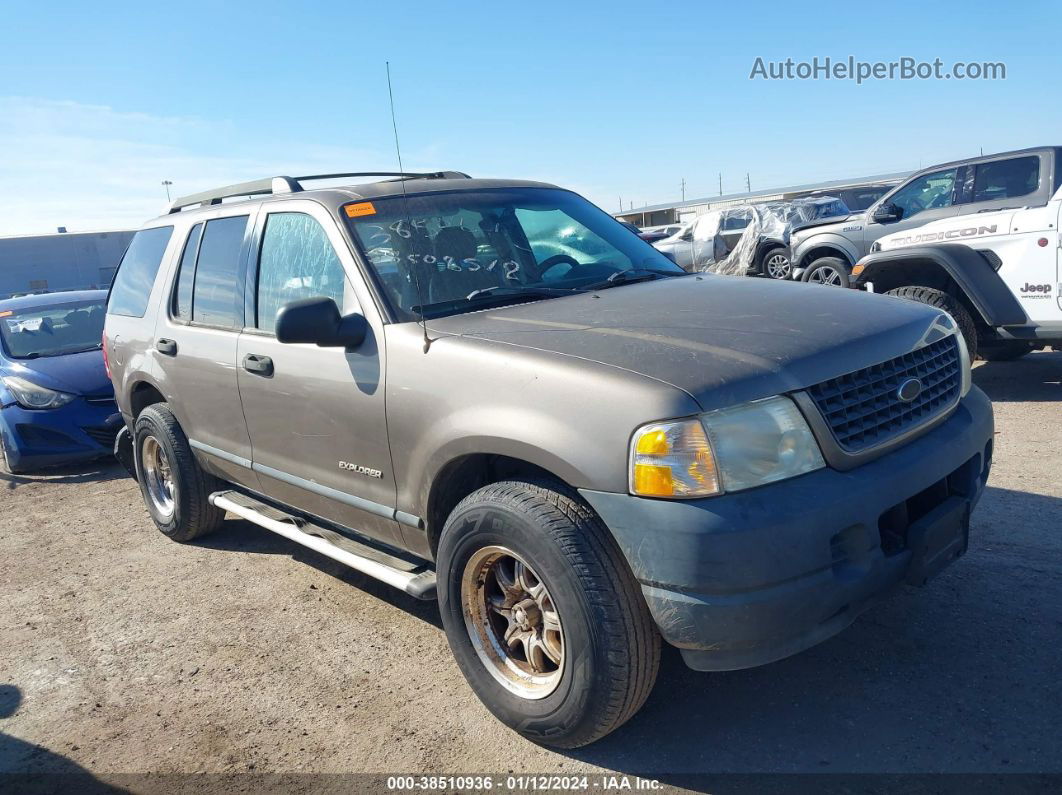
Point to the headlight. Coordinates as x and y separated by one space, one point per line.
32 396
728 450
762 442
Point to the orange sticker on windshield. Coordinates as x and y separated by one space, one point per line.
361 208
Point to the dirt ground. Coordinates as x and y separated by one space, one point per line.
122 652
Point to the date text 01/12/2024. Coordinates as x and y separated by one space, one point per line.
522 783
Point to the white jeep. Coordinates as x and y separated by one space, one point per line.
999 274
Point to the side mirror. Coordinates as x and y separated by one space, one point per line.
887 213
317 321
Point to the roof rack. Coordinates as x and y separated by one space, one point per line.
275 185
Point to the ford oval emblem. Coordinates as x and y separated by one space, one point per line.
909 390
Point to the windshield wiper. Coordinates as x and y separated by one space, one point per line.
631 276
505 291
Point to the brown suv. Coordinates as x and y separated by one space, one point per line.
490 392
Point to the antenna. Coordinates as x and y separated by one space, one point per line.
409 220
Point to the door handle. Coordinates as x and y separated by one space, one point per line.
167 347
259 365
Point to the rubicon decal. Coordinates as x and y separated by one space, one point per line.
951 234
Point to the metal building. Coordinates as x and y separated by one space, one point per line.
680 212
60 261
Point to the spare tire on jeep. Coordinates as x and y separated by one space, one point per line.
941 300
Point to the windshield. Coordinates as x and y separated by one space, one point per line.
442 253
53 330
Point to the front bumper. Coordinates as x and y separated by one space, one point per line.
748 578
79 431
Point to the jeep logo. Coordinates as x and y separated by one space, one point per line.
1035 288
951 234
359 469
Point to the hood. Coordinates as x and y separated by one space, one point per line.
839 220
959 229
77 373
722 339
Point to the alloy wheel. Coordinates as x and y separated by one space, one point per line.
825 275
777 266
512 622
158 476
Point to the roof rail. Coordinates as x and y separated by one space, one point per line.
275 185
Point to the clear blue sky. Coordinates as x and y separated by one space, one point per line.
100 102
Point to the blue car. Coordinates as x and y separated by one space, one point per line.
56 400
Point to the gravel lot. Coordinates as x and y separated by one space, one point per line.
123 652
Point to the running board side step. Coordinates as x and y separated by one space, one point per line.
418 582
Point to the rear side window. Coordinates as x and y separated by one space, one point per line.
1006 179
216 298
137 271
182 297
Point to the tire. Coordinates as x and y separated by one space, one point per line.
165 468
950 304
1006 351
6 464
776 264
609 649
829 271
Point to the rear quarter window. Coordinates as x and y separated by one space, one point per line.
137 272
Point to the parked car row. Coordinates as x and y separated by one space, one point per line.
750 239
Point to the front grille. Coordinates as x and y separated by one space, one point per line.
102 436
863 408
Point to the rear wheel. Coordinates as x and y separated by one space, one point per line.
776 264
1006 351
950 304
174 486
829 271
543 614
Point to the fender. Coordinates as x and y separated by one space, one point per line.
971 272
839 243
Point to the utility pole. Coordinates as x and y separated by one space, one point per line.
166 184
683 189
621 203
748 183
720 183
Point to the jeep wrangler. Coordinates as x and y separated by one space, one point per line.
490 393
998 274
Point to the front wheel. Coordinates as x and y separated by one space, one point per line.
830 271
543 614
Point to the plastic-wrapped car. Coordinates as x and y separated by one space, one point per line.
751 239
